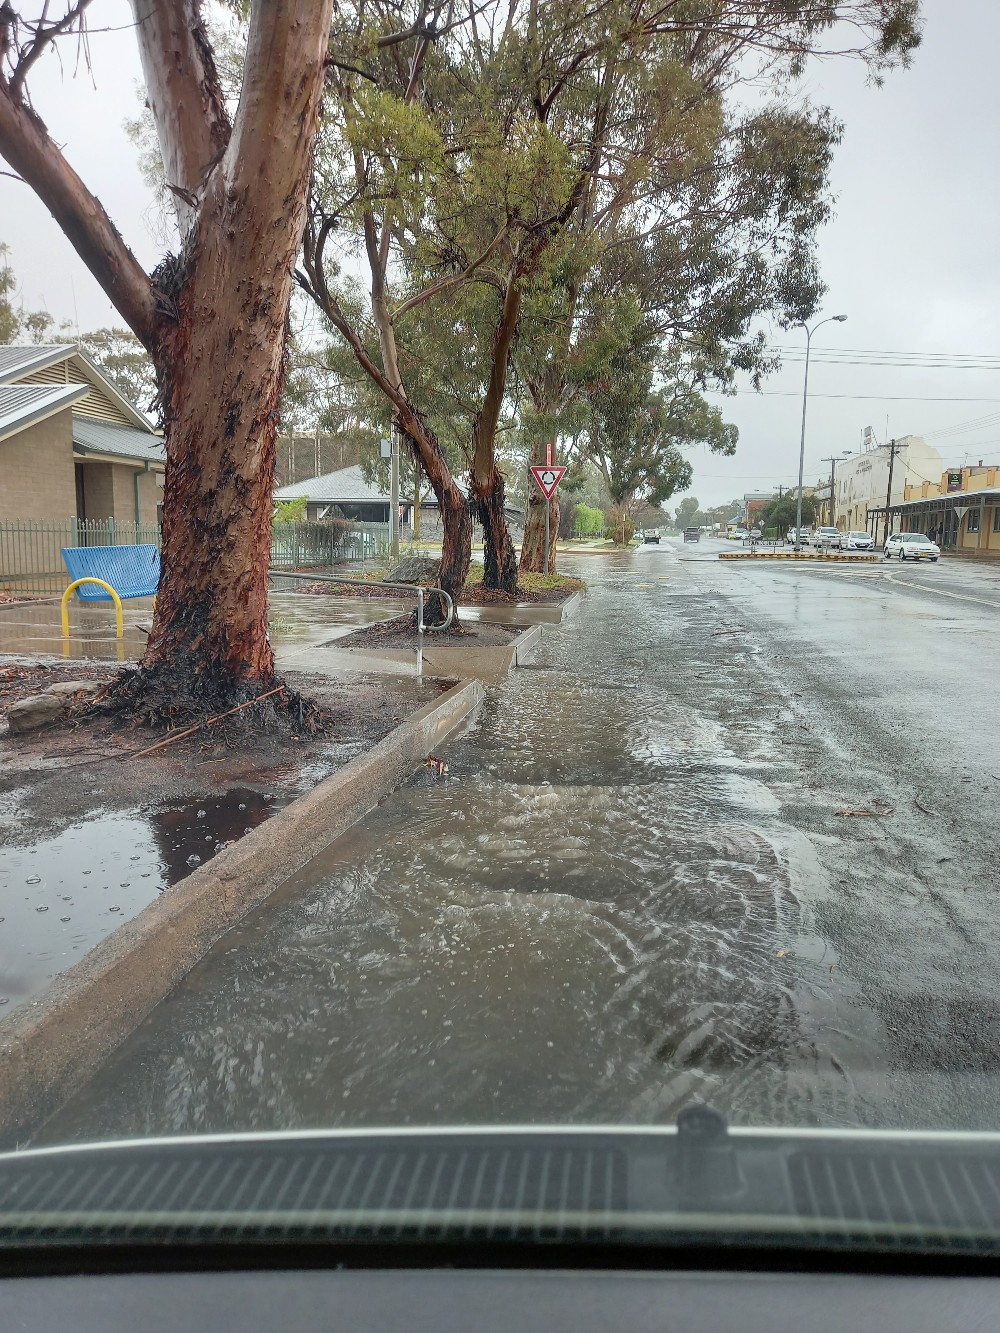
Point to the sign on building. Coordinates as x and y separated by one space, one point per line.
954 481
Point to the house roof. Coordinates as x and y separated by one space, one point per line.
102 437
22 405
18 361
346 485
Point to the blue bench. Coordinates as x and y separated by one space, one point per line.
133 571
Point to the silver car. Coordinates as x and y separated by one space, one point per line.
858 541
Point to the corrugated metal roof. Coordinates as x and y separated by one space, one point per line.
17 360
101 437
345 486
23 404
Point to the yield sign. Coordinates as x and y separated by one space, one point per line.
548 478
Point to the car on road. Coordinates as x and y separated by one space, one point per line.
651 535
827 538
803 536
692 534
858 541
911 546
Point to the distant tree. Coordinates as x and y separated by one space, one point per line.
780 514
124 360
9 321
16 323
688 513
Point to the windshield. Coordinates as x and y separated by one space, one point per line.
378 751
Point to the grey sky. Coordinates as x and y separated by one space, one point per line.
909 257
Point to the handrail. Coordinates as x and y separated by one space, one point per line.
419 589
119 618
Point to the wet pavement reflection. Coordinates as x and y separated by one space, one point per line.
599 914
62 895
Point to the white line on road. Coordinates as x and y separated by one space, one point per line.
922 587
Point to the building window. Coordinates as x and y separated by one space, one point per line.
973 524
996 519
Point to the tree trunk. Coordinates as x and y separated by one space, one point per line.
456 550
500 561
220 363
533 545
214 321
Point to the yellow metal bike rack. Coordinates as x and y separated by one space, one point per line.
119 618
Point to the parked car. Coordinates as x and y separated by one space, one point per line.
755 534
858 541
911 546
803 537
692 534
651 535
827 538
740 535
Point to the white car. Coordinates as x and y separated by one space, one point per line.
858 541
911 546
827 537
803 537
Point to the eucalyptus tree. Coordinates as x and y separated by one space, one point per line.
212 316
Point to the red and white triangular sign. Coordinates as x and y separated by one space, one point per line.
548 477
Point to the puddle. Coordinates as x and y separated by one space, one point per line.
61 896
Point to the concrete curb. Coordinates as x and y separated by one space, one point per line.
800 555
571 605
49 1045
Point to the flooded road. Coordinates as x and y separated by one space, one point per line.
631 890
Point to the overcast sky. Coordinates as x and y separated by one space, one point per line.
910 256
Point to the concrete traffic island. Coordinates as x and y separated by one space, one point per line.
50 1044
858 558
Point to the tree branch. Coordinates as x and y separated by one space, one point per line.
184 95
44 35
27 147
456 280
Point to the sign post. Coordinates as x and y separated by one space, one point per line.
548 478
390 450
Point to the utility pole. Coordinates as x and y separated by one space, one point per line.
839 319
839 458
894 449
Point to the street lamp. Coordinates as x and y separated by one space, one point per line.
805 398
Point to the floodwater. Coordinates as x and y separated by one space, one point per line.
297 623
597 915
61 895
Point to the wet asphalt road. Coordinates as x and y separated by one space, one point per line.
634 888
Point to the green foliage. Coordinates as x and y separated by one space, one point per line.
122 357
587 522
291 511
689 513
781 513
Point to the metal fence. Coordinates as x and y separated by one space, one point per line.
317 545
31 552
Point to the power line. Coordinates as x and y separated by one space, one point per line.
859 397
862 356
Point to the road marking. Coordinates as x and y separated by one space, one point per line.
922 587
